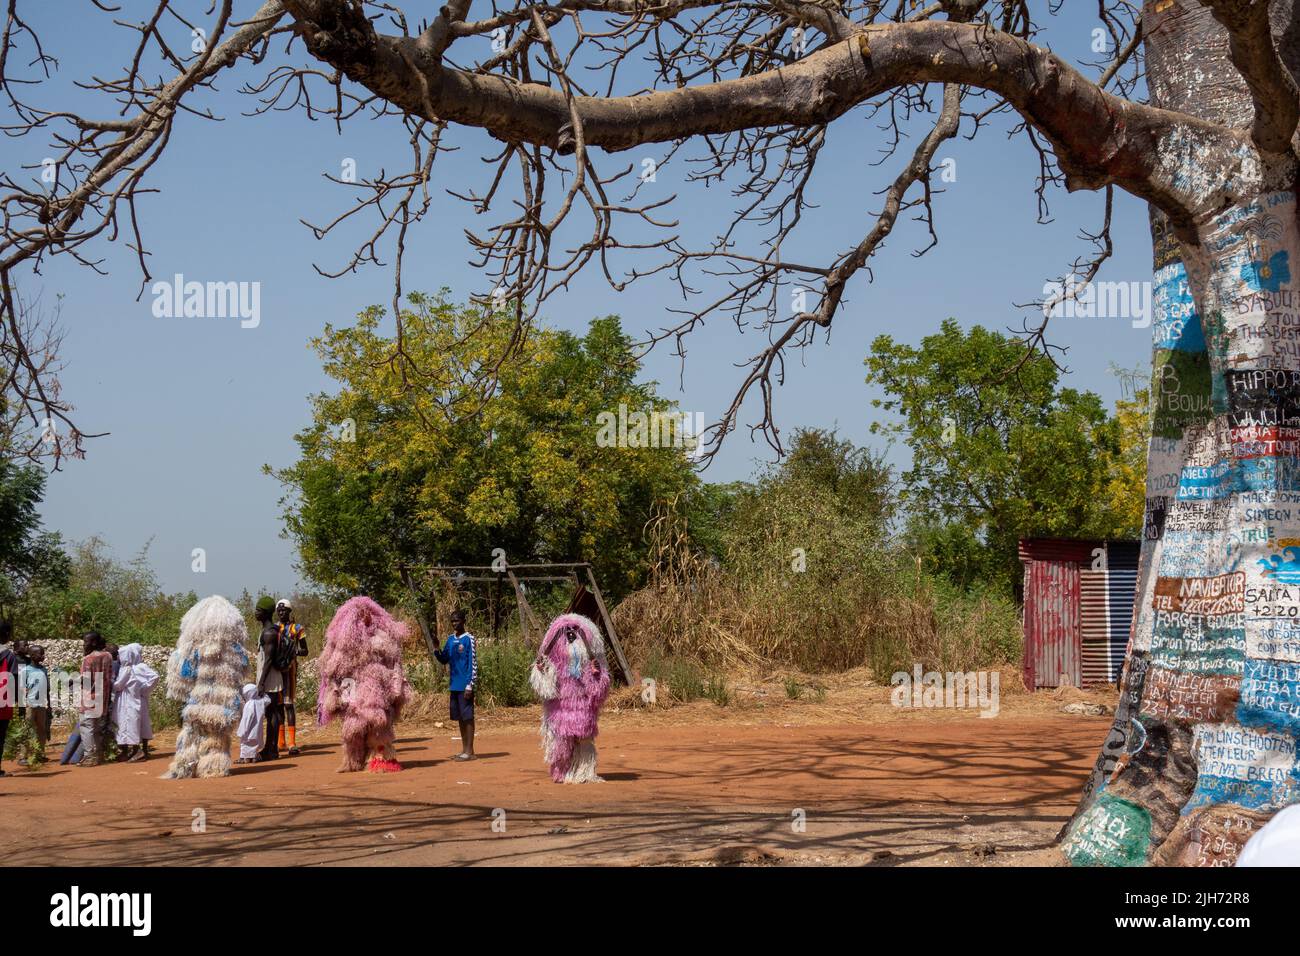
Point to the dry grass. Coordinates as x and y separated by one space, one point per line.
885 614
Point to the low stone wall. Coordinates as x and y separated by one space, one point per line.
66 655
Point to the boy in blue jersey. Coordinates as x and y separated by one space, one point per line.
461 654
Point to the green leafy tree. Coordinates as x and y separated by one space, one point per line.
121 600
861 483
710 509
822 513
393 474
999 449
29 556
1125 490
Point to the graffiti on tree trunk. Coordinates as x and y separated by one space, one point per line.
1203 750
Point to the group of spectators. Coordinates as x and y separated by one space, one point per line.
112 703
116 683
23 678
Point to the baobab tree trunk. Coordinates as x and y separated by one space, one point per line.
1204 746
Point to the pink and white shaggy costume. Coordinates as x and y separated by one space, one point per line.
571 677
362 683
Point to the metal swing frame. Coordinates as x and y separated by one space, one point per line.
586 598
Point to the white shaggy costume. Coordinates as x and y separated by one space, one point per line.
207 670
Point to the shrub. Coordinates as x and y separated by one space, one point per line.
21 744
843 600
121 600
306 694
503 667
425 676
716 690
164 712
681 677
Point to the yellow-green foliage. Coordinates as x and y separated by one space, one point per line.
469 437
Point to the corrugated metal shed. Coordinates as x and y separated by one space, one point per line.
1111 640
1051 624
1078 609
1073 550
1095 629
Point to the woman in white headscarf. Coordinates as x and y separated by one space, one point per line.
135 679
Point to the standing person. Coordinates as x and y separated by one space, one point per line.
461 654
296 637
135 679
270 683
72 750
19 681
96 679
36 698
8 683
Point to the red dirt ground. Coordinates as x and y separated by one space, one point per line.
945 791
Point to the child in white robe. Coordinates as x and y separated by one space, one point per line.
135 679
252 731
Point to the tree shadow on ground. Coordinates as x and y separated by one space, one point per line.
916 800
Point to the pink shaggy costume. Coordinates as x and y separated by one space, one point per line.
571 677
361 682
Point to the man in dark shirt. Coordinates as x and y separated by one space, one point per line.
269 679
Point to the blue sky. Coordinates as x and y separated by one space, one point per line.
195 407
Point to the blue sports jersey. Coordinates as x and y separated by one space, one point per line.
460 653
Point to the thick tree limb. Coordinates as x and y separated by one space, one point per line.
756 85
1099 139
